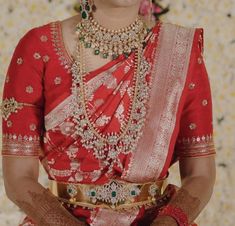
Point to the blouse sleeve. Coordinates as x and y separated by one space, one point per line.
22 100
195 136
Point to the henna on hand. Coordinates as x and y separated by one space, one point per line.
46 210
189 204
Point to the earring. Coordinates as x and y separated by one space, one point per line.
85 9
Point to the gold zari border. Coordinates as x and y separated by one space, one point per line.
195 146
20 145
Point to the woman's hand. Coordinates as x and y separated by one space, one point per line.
22 188
164 221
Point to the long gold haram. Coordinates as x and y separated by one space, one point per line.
108 146
118 135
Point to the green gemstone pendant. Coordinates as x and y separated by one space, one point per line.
84 15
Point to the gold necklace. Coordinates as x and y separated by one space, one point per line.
107 42
108 146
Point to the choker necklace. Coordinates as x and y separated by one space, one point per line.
107 42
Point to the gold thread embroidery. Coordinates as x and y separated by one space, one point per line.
37 56
192 126
21 145
9 123
124 87
169 76
102 120
114 218
195 146
105 78
10 105
119 114
204 102
59 46
59 113
19 61
45 58
191 86
29 89
32 127
43 38
57 80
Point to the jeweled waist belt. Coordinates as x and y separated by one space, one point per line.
115 194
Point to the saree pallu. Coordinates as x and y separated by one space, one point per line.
176 111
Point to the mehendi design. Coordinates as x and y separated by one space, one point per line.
189 204
46 210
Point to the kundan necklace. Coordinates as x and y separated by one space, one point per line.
107 147
107 42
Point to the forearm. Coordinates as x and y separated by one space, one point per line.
40 205
191 198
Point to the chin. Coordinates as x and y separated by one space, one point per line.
122 3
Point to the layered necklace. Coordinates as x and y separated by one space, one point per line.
107 146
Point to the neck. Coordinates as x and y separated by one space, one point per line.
113 17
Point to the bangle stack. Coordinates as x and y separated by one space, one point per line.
175 212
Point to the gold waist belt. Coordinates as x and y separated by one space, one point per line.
115 194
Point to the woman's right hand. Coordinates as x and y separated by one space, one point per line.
21 184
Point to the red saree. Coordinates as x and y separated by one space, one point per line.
174 108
